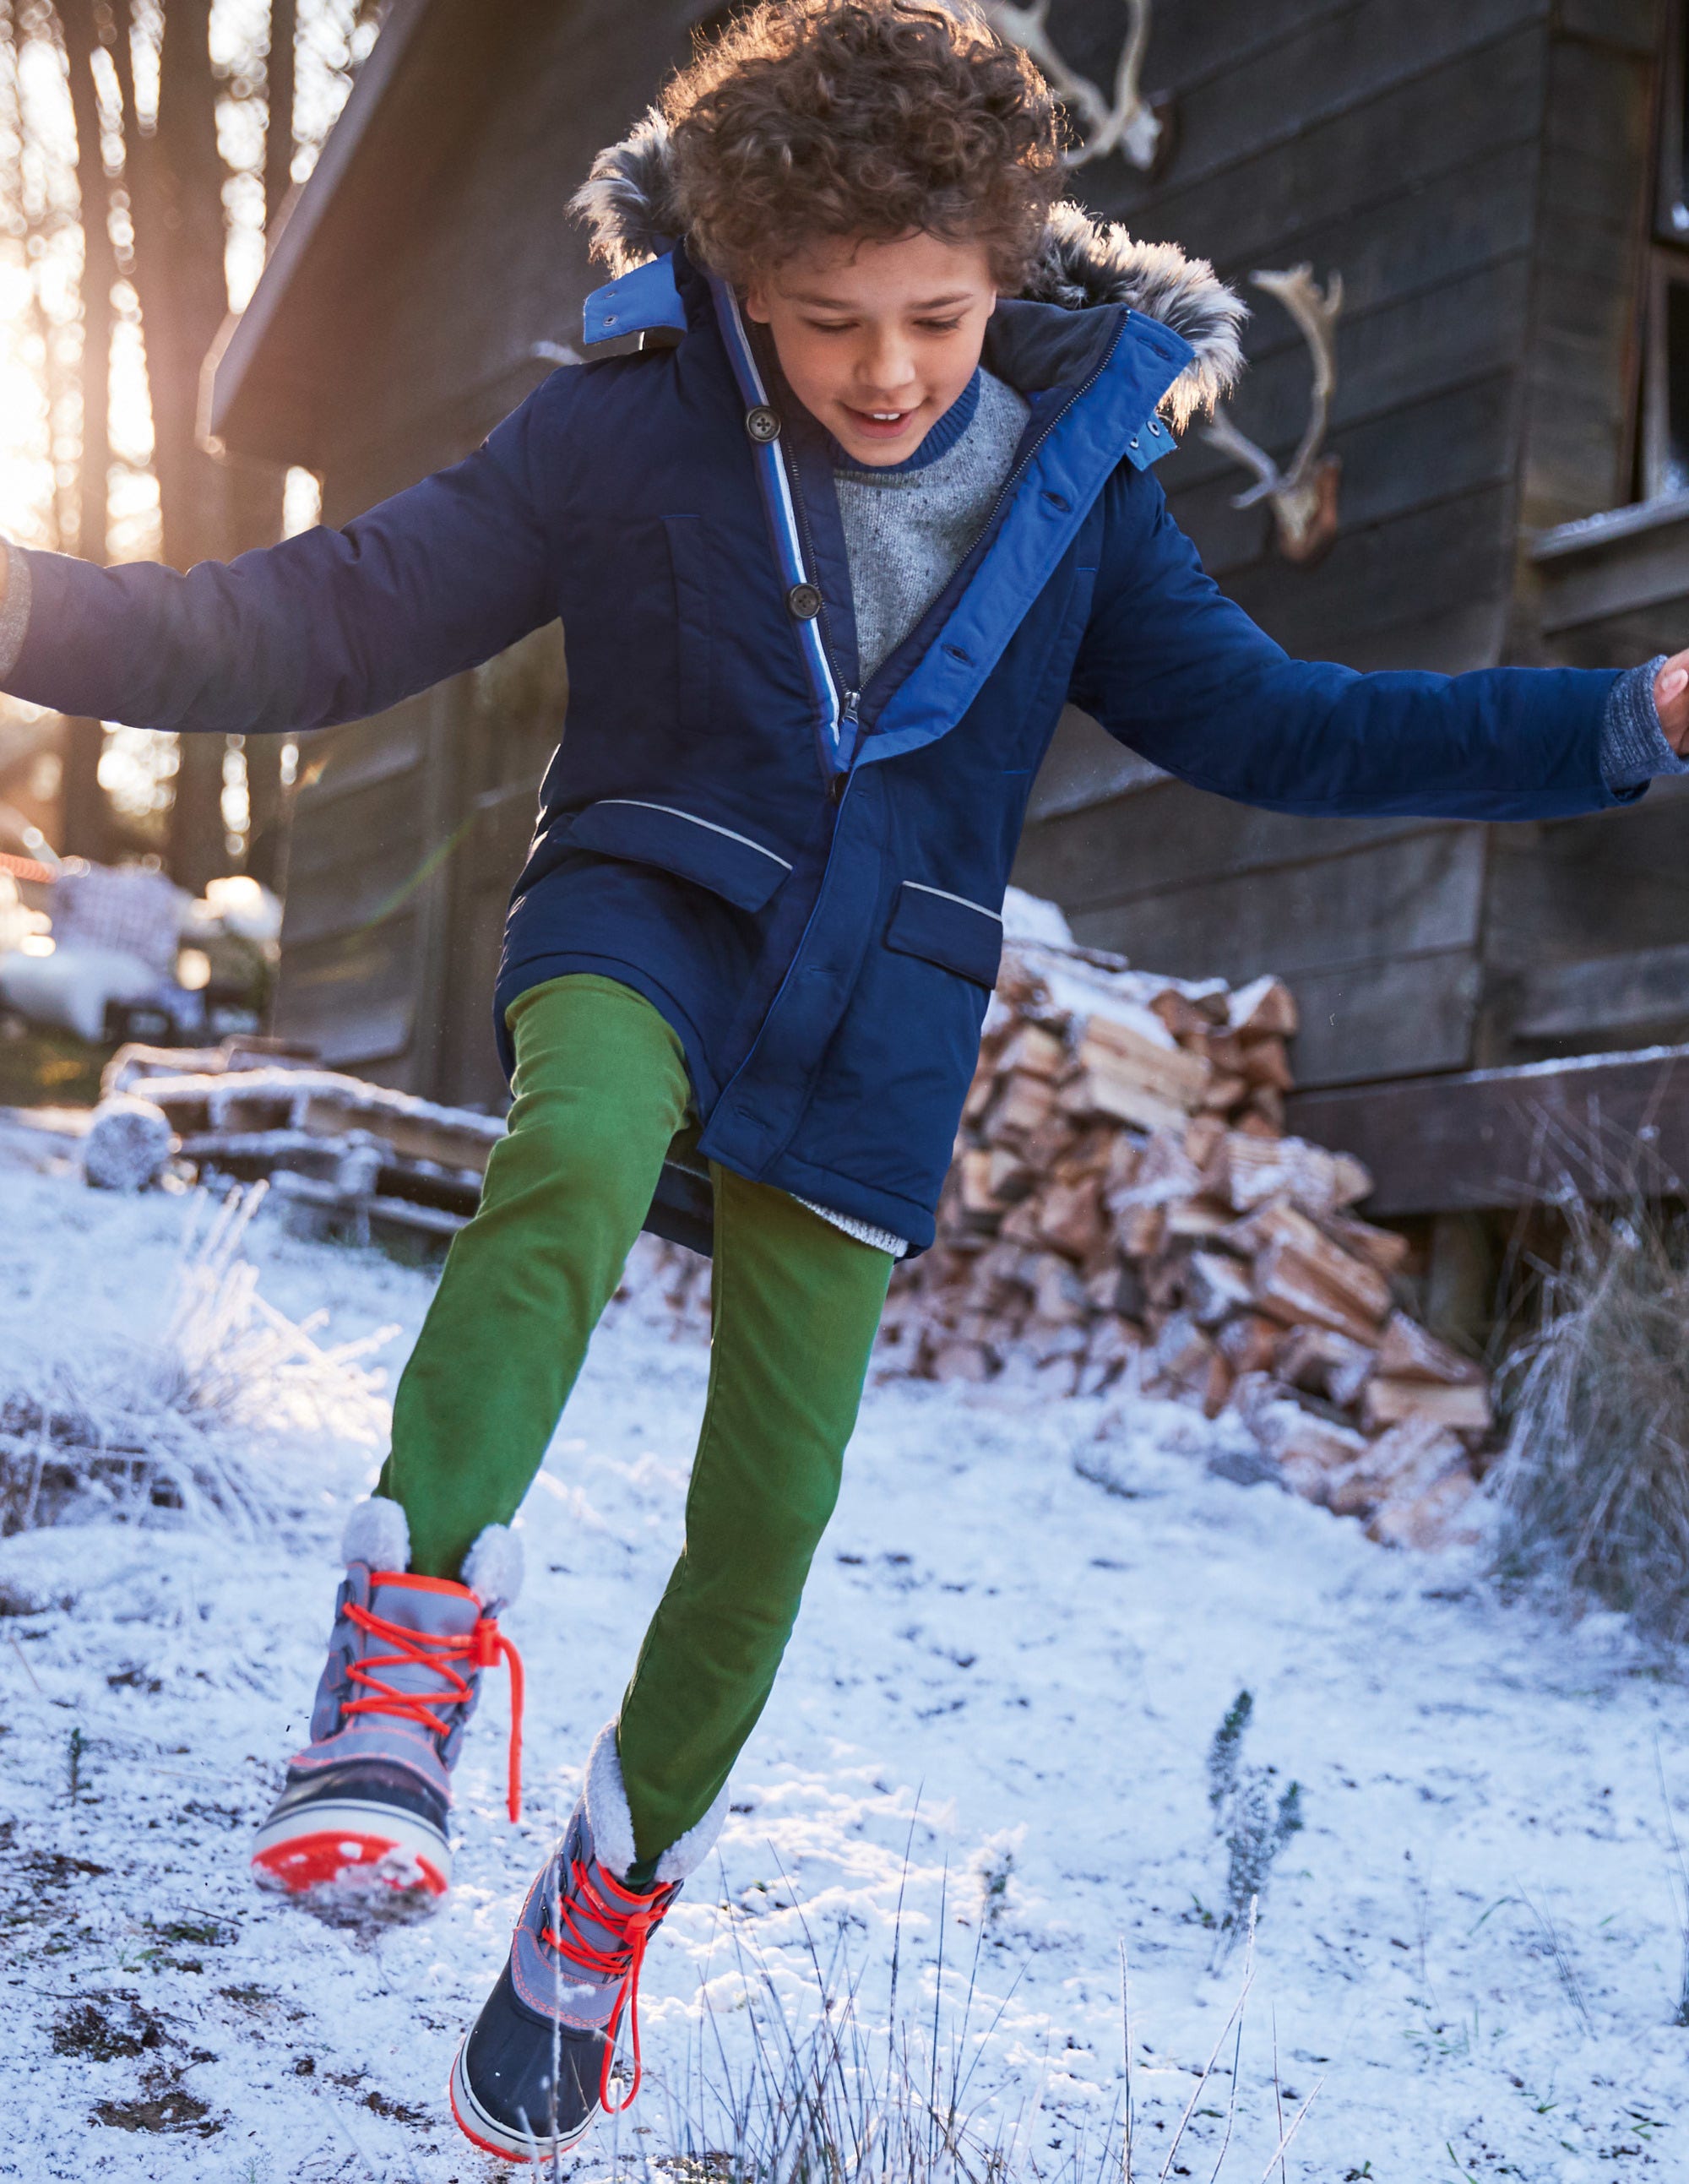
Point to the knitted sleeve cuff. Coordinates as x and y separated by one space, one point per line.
1633 744
14 608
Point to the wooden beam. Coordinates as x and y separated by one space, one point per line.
1598 1125
1608 571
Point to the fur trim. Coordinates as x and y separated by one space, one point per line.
683 1857
1082 262
628 204
611 1822
493 1568
376 1534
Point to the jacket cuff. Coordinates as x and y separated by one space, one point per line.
14 608
1633 745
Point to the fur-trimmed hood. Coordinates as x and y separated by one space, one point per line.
627 205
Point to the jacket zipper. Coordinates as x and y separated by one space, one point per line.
847 699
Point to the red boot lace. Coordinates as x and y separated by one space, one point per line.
632 1921
483 1647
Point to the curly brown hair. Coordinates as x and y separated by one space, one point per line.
873 118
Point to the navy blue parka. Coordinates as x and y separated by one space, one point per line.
805 875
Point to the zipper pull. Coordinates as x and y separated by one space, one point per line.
851 698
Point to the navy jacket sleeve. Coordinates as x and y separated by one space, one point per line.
328 626
1173 668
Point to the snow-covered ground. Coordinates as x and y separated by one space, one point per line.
990 1735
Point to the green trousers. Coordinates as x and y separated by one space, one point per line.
600 1092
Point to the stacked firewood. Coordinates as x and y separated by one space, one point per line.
1123 1207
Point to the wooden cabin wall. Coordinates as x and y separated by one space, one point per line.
1582 363
410 829
1404 148
1584 933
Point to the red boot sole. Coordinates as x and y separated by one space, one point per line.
333 1858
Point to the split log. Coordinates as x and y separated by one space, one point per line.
1267 1005
1302 1276
1023 1102
1247 1171
1380 1247
1463 1408
1324 1363
1214 1286
1249 1342
1430 1520
1403 1465
1410 1352
1071 1218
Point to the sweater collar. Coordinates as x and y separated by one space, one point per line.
941 437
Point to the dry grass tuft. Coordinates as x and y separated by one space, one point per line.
1592 1488
92 1419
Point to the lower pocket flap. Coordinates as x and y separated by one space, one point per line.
730 864
947 929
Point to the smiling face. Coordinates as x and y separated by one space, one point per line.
878 339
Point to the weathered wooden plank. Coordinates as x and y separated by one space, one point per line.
1600 102
1433 561
352 996
1169 835
1632 26
1422 345
1469 635
1357 161
336 762
1420 893
1607 998
1423 451
1615 564
1384 1019
1613 881
1332 66
485 871
1189 46
1511 1137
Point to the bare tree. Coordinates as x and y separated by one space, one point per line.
86 828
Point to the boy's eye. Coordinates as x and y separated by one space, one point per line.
939 325
831 326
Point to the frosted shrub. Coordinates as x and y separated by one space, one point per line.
179 1423
1592 1488
1253 1823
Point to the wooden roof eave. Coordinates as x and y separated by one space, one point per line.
274 365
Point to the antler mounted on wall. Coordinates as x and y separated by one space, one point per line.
1140 128
1304 498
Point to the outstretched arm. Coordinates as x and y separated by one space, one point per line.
327 627
1177 671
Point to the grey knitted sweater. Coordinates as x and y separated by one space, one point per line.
908 526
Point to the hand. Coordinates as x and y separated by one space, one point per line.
1671 701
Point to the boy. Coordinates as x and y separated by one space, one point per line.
831 552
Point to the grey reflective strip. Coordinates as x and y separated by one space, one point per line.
639 803
918 887
14 608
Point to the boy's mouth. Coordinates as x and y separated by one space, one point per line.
879 424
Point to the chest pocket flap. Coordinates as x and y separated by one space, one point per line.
948 930
729 863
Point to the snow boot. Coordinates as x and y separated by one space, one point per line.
364 1810
534 2070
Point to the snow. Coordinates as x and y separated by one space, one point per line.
1021 1635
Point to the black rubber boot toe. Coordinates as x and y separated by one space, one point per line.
524 2086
